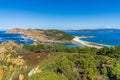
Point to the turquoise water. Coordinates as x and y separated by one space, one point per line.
18 38
100 37
70 44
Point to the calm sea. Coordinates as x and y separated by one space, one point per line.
19 38
100 37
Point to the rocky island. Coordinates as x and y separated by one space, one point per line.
44 36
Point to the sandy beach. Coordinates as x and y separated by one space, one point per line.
85 43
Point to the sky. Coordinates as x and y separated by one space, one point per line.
59 14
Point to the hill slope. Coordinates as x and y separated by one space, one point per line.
52 36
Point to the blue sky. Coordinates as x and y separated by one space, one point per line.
60 14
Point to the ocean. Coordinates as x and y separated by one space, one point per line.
18 38
110 38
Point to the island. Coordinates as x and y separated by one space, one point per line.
44 36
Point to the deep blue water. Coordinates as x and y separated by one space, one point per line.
18 38
100 37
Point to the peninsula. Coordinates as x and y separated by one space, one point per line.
44 36
54 36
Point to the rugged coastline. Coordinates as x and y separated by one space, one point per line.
43 36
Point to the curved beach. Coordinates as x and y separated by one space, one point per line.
87 44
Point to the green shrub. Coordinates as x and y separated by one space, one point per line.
47 75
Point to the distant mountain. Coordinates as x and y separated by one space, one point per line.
91 30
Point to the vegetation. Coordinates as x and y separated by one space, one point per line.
56 48
82 64
110 51
47 75
61 63
11 64
80 67
57 34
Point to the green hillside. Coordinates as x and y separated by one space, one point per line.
56 62
57 34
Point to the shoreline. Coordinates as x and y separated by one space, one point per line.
76 40
39 36
87 44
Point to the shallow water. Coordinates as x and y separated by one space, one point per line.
70 44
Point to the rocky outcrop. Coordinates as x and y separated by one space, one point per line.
43 36
38 35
